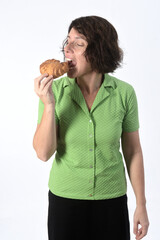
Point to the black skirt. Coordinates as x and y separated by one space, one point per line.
74 219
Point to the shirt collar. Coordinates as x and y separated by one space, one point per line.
108 81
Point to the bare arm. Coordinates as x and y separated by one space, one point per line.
45 137
134 161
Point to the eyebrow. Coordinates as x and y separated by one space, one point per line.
77 37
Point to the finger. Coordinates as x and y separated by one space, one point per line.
45 81
141 233
47 86
135 228
43 75
143 230
39 79
138 235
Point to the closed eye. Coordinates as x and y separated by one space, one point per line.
81 45
74 44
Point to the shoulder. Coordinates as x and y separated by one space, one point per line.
120 83
123 87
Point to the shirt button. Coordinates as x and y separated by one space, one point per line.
90 181
90 195
90 120
90 135
91 166
90 150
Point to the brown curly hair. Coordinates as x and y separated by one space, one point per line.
102 50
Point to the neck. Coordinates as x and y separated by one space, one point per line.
90 84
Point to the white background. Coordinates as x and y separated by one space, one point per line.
30 33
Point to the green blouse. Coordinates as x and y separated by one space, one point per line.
88 163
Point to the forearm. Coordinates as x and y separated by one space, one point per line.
136 174
45 140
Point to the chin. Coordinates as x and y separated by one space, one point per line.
72 74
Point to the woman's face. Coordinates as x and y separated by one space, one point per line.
74 50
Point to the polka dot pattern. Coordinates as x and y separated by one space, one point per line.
88 163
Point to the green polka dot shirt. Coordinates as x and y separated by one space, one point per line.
88 163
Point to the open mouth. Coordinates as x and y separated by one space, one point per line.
71 63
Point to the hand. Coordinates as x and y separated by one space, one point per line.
140 217
43 88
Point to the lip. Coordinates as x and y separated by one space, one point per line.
71 62
68 59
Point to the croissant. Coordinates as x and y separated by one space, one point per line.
54 67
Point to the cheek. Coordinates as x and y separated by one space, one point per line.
82 60
80 55
82 63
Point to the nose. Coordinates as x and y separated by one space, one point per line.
68 48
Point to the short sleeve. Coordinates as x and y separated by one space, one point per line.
131 118
40 112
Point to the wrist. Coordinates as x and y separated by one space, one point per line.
49 106
141 203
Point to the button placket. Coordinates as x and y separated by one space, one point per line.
91 156
91 139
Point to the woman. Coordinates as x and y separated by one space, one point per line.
82 117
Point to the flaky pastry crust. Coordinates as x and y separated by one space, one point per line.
54 67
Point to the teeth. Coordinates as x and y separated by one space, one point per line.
68 59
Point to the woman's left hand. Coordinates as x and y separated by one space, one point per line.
140 217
